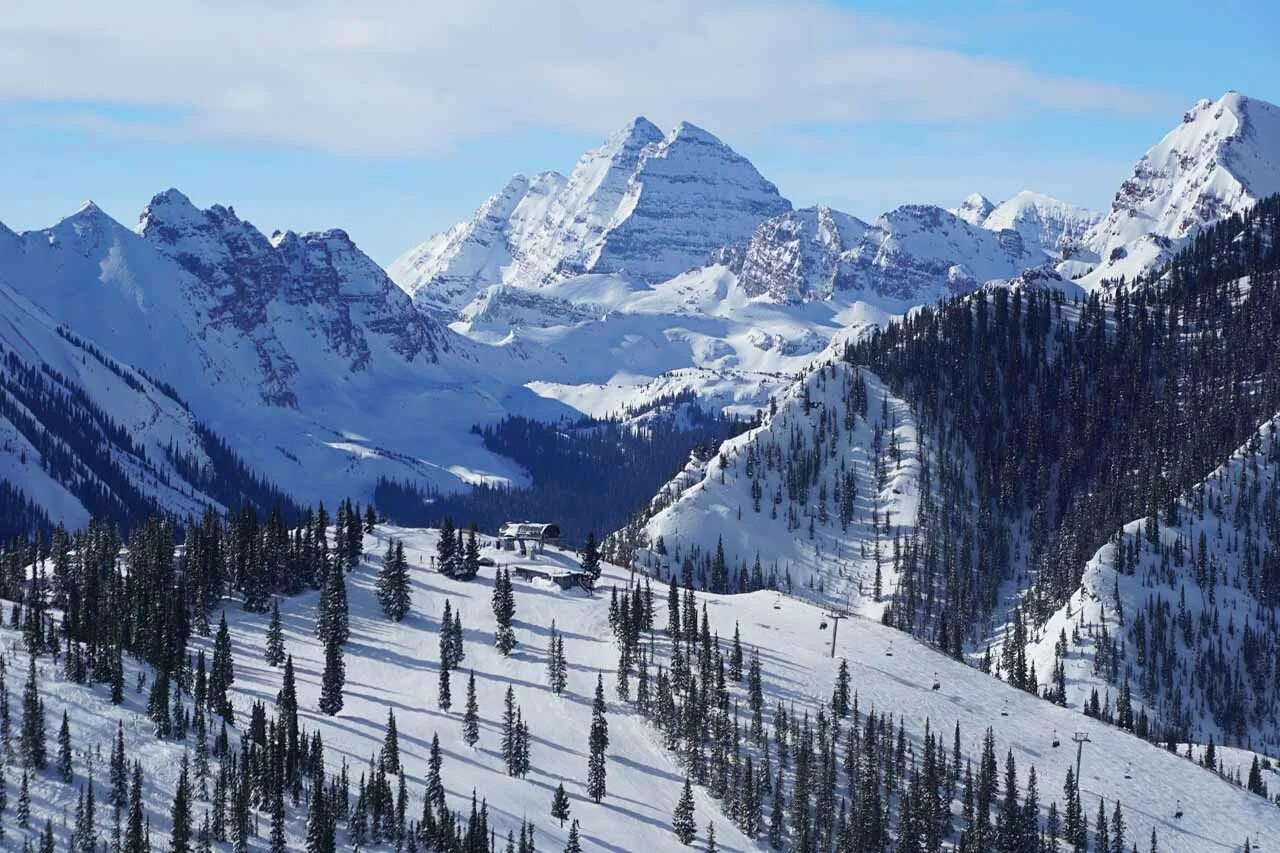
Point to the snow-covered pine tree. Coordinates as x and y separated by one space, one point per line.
560 804
332 614
334 677
597 743
275 637
574 842
504 609
393 582
32 744
180 834
446 550
470 556
683 822
471 717
591 557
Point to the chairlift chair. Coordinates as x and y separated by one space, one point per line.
1056 743
1004 709
822 626
888 652
1128 770
1178 813
937 685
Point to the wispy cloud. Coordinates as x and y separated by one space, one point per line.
399 76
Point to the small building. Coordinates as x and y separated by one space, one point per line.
562 577
530 536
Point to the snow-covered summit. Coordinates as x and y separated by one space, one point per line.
645 204
974 209
1046 224
1221 159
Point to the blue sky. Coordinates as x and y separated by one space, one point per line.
395 120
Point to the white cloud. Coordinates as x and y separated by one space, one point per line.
399 76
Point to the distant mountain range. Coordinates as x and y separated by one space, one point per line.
663 263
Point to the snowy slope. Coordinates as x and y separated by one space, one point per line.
1222 158
446 271
753 499
99 436
1198 603
396 666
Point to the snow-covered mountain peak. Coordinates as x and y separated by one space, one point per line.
1046 224
975 209
1222 158
643 203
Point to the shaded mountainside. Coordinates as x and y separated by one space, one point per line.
588 474
82 434
1049 424
1175 630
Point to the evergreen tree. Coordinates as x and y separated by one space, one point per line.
444 696
557 666
332 620
134 837
64 749
598 742
560 805
504 609
24 799
471 718
574 843
181 814
447 558
334 678
840 696
470 556
591 558
275 637
32 742
393 582
683 823
221 673
390 756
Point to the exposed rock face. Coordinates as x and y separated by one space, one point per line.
800 255
288 294
915 253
